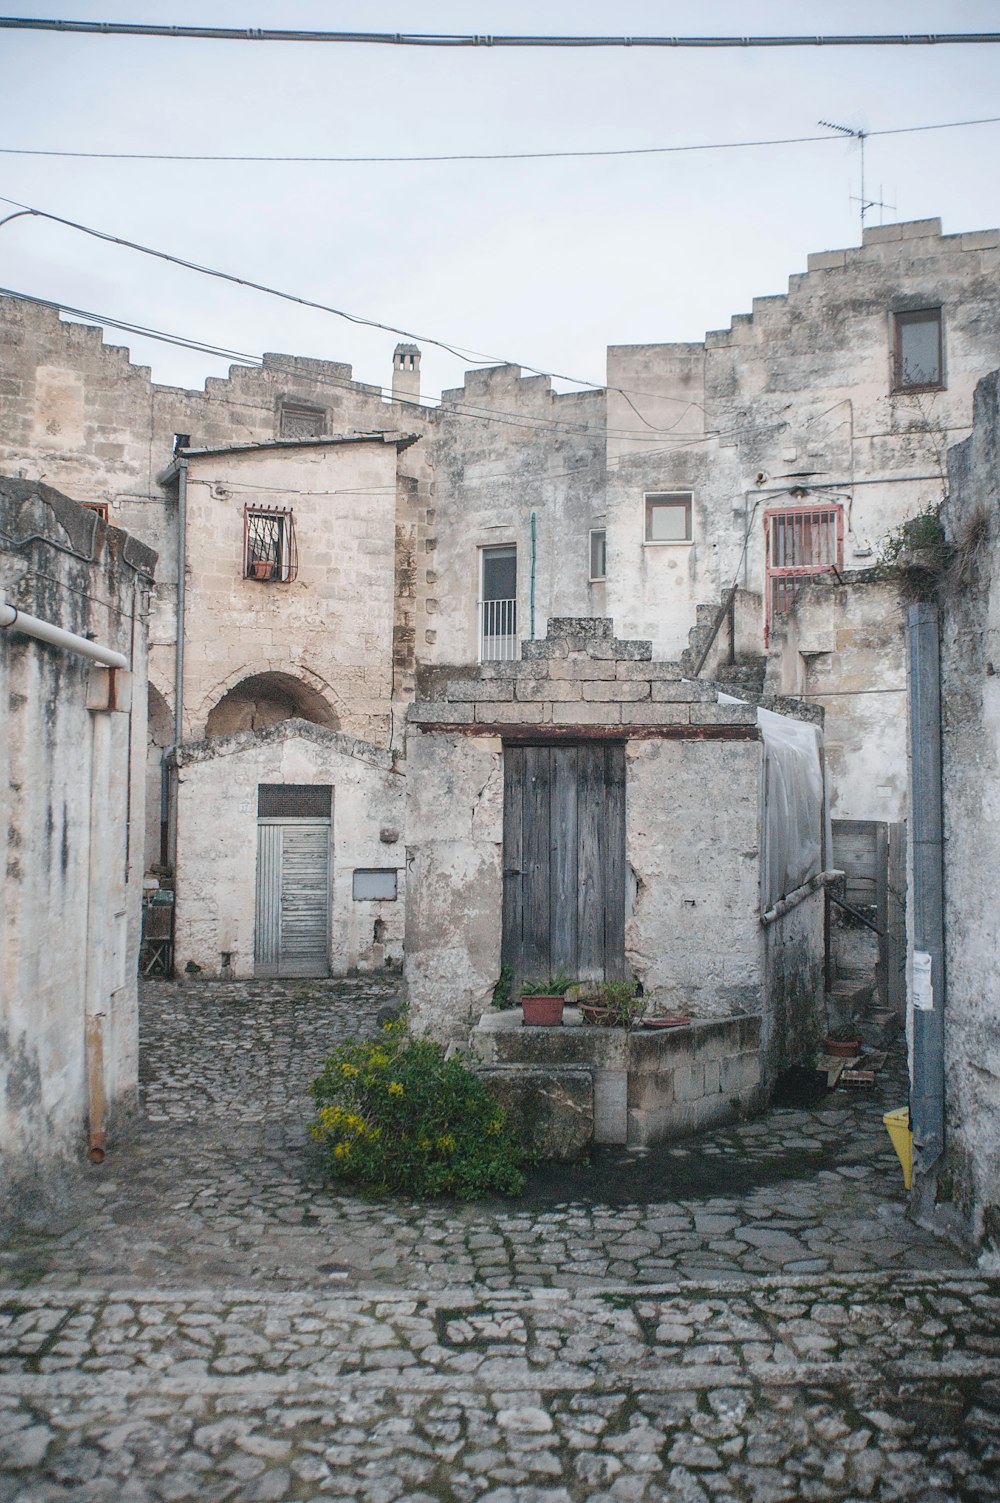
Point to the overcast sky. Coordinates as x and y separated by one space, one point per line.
544 263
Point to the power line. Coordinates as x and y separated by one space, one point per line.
427 39
472 156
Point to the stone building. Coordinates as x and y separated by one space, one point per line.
694 501
71 789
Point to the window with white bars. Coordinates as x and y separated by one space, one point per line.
801 542
270 554
498 603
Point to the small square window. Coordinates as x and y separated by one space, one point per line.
269 551
668 517
598 554
375 884
918 364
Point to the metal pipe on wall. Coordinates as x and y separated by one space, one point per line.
182 475
927 1089
55 636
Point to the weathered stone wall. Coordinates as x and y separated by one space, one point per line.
217 842
71 800
842 647
332 627
970 700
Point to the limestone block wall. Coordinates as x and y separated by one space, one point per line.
842 648
217 843
970 700
332 627
793 403
71 798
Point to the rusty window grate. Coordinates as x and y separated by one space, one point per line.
101 508
294 800
270 554
801 542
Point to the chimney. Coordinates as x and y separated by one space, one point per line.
406 373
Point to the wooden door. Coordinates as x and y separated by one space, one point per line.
564 860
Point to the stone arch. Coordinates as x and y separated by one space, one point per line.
264 699
159 735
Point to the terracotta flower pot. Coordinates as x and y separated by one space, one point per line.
842 1048
261 568
542 1011
592 1013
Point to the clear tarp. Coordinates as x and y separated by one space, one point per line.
793 806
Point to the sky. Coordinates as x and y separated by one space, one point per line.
543 263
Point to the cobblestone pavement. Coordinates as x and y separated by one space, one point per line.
748 1317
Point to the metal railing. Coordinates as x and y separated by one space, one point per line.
497 631
802 541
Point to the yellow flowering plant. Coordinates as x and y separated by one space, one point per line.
393 1114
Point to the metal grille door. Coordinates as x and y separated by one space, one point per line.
293 897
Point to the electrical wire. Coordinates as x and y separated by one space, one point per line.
475 156
444 39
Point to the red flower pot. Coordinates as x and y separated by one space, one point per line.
842 1048
542 1012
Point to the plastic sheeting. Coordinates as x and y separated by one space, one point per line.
793 811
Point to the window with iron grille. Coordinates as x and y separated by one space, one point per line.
269 551
918 363
801 541
299 421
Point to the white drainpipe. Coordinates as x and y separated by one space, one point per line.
31 626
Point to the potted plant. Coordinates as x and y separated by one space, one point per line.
542 1002
261 568
843 1043
614 1004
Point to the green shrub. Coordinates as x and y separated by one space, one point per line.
549 986
394 1115
503 996
624 1006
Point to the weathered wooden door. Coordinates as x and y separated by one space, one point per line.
564 860
293 881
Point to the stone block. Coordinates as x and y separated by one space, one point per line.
551 1109
582 668
981 240
631 668
723 715
826 260
546 688
530 651
578 712
689 1082
520 713
610 1106
464 689
648 713
584 628
434 712
617 690
635 650
683 691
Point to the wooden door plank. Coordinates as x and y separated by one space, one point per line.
513 880
591 836
563 865
535 913
614 884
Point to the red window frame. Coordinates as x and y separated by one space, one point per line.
800 542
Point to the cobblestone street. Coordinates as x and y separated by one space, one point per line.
748 1316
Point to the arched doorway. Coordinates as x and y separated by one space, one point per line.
264 699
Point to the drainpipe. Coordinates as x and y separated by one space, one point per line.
927 1088
44 631
182 475
531 603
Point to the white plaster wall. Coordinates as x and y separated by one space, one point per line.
217 842
692 836
69 903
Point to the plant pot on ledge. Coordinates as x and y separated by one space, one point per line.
542 1002
262 568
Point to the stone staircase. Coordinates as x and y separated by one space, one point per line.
746 675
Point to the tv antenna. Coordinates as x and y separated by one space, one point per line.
866 203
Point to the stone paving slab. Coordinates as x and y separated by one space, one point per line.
743 1316
757 1390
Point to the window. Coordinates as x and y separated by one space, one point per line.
101 508
374 884
269 551
498 604
598 554
296 421
294 800
668 517
917 352
801 541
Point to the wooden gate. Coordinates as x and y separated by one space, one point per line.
564 860
872 855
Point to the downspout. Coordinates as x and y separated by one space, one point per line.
95 965
927 843
531 600
182 475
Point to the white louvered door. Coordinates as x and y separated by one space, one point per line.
293 897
